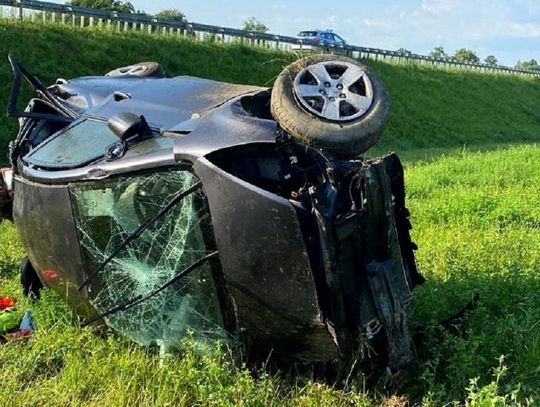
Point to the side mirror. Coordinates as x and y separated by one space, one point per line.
126 125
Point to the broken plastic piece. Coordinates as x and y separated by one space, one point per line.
6 302
27 323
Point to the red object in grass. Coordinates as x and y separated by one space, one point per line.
6 302
20 334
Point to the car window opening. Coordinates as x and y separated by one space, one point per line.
145 272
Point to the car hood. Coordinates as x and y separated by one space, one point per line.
165 102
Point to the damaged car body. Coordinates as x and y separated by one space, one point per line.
170 206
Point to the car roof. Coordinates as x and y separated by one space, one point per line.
317 32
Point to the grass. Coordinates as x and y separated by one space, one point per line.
469 141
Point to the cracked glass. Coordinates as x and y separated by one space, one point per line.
107 212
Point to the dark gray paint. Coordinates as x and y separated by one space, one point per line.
45 222
164 102
273 268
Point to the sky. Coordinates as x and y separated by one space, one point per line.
508 29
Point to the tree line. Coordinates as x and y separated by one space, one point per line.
251 24
467 55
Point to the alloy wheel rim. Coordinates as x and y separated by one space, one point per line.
334 90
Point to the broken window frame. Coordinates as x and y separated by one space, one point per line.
212 269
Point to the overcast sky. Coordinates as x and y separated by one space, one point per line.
508 29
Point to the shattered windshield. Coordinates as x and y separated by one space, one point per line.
109 211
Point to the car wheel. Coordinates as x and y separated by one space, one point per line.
331 101
30 281
143 69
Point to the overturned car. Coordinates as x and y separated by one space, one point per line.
176 206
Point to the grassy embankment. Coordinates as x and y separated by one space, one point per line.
473 176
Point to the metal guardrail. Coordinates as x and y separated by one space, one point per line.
74 15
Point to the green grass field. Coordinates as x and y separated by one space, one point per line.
469 142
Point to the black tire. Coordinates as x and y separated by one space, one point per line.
30 281
340 138
142 69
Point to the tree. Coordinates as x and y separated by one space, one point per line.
438 52
252 24
466 55
532 64
491 60
171 14
404 51
108 5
